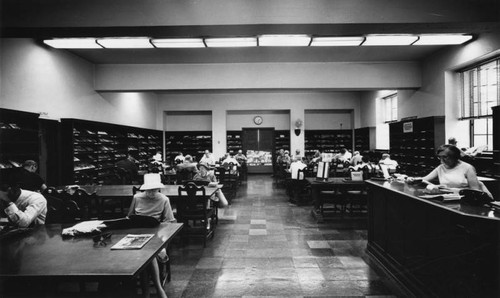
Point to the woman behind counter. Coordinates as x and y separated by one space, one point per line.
452 172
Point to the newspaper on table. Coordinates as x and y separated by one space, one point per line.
133 241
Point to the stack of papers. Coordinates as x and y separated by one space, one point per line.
446 197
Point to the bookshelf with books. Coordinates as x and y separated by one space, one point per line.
413 144
91 149
234 142
327 141
19 138
496 143
281 140
362 138
192 143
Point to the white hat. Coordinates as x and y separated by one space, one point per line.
152 181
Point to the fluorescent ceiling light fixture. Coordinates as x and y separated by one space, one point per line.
125 43
284 40
72 43
178 43
389 40
336 41
231 42
442 39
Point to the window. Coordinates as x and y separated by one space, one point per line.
480 92
391 107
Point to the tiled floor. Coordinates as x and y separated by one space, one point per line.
266 247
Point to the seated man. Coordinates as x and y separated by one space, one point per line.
129 164
23 208
386 160
343 156
295 166
27 178
187 169
240 157
208 158
230 159
356 158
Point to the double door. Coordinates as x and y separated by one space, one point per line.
258 145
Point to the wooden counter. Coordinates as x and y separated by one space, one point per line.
430 248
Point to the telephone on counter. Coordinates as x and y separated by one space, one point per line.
474 197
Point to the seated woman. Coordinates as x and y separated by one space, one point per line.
153 203
204 174
452 172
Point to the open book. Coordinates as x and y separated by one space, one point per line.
133 241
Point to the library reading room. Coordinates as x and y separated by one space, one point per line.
244 149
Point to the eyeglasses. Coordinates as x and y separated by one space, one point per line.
441 157
100 240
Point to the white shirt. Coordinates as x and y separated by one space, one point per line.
30 208
455 177
209 160
295 167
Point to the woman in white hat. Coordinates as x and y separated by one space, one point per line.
151 202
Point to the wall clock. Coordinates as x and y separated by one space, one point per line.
257 120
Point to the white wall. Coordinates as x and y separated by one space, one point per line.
328 119
258 76
236 120
38 79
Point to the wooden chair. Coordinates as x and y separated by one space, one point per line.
183 175
60 209
229 184
194 206
300 188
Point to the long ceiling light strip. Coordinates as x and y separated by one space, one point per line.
178 43
260 41
231 42
125 43
389 40
441 39
336 41
284 40
73 43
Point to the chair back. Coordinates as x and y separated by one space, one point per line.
60 208
198 182
220 174
183 175
192 200
301 174
135 190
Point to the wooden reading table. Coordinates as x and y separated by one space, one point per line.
44 255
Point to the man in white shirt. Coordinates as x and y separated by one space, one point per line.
295 166
207 158
23 208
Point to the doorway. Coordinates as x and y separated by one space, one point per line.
258 144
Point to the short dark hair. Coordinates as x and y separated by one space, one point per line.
455 152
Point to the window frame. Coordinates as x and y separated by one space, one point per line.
392 101
476 85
